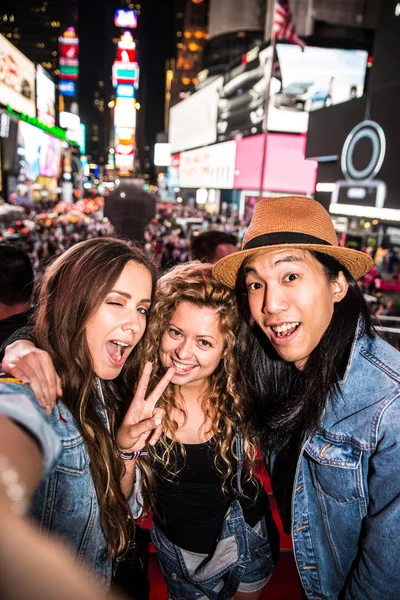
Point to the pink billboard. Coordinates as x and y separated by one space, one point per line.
285 169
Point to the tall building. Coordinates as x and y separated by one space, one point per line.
235 26
191 23
34 27
338 18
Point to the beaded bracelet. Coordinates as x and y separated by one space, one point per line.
132 455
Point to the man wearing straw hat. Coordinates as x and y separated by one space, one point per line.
326 394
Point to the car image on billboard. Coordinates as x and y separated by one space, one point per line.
305 81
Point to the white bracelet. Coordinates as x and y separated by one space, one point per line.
13 487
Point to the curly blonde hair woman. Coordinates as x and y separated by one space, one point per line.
210 516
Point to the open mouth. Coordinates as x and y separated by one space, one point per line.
284 330
117 351
181 368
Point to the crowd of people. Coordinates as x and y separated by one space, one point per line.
130 393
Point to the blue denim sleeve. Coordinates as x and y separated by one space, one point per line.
18 403
136 498
376 573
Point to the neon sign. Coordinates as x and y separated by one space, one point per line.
56 131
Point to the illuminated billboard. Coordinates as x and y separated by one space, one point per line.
45 97
124 163
29 140
125 18
72 124
358 172
67 88
17 79
125 90
304 82
50 156
126 48
124 140
209 167
125 72
193 122
162 155
69 55
124 113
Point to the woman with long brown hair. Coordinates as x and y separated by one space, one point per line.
77 465
212 526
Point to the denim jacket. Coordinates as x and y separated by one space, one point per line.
346 495
65 502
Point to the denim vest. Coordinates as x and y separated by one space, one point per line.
346 495
66 501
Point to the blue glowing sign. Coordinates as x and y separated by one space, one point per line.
125 90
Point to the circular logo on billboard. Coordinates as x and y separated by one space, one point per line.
374 134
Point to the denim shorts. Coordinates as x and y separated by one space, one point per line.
242 561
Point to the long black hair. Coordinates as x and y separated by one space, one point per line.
287 402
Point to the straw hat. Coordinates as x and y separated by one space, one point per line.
290 222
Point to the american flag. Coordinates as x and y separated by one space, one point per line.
283 27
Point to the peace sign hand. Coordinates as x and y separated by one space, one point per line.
142 423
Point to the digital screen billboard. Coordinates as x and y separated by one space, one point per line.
17 79
356 145
302 82
312 79
72 124
125 18
50 156
193 122
38 153
125 90
285 168
124 113
29 140
45 97
69 55
210 167
67 88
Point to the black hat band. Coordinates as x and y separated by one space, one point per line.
283 237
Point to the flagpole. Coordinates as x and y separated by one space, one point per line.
266 111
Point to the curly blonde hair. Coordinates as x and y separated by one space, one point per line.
223 403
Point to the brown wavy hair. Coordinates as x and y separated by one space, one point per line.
223 402
72 289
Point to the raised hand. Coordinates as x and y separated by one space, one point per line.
143 421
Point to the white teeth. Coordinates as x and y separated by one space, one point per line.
181 367
282 329
120 344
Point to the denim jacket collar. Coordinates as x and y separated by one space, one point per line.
359 334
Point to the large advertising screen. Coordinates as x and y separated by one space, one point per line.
210 167
302 82
38 153
313 79
356 145
45 97
285 168
125 18
193 122
17 79
29 140
50 156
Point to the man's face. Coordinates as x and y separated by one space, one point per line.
292 300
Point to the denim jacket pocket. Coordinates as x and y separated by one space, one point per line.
74 482
336 468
